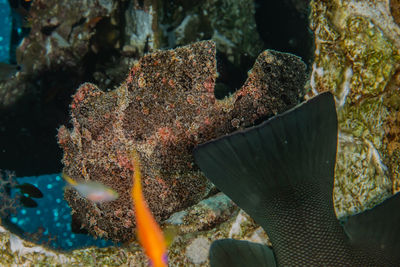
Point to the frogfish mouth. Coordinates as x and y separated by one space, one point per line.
281 172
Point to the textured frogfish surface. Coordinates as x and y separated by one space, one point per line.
164 109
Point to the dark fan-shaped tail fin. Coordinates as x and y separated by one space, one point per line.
235 253
378 230
296 147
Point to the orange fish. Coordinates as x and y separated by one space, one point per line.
149 232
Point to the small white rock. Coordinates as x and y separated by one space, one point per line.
197 251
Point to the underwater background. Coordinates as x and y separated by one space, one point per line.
48 49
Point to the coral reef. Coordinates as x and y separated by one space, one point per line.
229 23
165 108
66 38
156 24
357 58
182 252
61 36
97 41
54 59
8 204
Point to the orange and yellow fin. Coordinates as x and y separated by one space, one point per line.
68 179
149 232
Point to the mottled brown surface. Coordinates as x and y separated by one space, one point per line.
164 109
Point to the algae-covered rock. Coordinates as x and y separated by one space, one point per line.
231 24
61 32
357 58
15 251
188 248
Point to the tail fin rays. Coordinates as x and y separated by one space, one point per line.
296 146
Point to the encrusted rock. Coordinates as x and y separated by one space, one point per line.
57 38
197 251
203 215
185 250
163 110
357 58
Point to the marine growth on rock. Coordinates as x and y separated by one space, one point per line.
357 55
165 107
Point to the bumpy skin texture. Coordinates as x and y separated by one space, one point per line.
163 110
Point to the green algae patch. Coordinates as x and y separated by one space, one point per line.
371 55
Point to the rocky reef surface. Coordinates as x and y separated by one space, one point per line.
97 41
163 110
357 58
201 225
272 87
